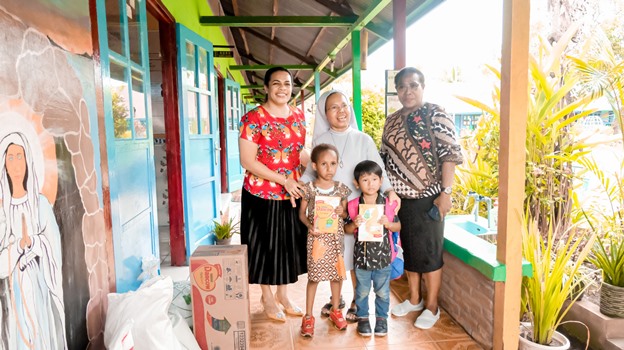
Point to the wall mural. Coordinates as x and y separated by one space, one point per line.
53 251
33 315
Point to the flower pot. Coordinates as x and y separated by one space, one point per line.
612 300
225 241
559 341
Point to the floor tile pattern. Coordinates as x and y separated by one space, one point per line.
271 335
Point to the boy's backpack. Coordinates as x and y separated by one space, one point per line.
395 243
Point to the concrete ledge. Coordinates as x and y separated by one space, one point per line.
605 332
477 252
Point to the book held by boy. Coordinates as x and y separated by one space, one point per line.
325 218
371 230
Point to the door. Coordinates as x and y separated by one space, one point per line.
233 114
199 136
129 143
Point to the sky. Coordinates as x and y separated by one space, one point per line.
457 33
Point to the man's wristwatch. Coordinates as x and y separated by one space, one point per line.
447 190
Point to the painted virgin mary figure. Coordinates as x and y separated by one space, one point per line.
31 295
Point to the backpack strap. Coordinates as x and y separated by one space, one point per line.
353 207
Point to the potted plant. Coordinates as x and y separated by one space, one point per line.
224 230
608 256
545 293
608 251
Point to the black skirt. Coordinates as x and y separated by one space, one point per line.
275 239
422 238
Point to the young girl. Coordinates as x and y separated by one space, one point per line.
325 250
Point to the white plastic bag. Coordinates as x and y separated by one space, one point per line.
146 309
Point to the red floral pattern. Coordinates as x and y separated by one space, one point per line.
280 141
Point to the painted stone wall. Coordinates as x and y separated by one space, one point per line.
53 259
468 297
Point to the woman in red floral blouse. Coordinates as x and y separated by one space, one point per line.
271 137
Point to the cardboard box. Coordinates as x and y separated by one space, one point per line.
220 297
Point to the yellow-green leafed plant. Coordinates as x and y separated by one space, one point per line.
553 259
551 147
601 72
608 255
225 229
608 251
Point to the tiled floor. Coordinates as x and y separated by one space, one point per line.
267 334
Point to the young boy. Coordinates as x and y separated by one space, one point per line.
371 259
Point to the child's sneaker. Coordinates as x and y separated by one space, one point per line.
307 326
381 327
338 320
326 309
364 328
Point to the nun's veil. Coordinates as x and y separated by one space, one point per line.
321 125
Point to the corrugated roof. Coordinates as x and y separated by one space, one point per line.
309 45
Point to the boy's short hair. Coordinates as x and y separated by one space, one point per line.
366 167
319 149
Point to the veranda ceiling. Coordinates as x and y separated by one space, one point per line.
305 35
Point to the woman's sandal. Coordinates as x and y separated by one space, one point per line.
275 316
292 310
326 309
351 315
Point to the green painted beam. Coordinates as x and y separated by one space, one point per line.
411 19
278 21
356 77
387 34
317 85
269 66
254 96
422 10
247 87
379 31
370 13
287 66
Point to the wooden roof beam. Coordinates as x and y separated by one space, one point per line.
242 34
278 44
278 21
370 13
412 17
385 31
275 9
342 8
